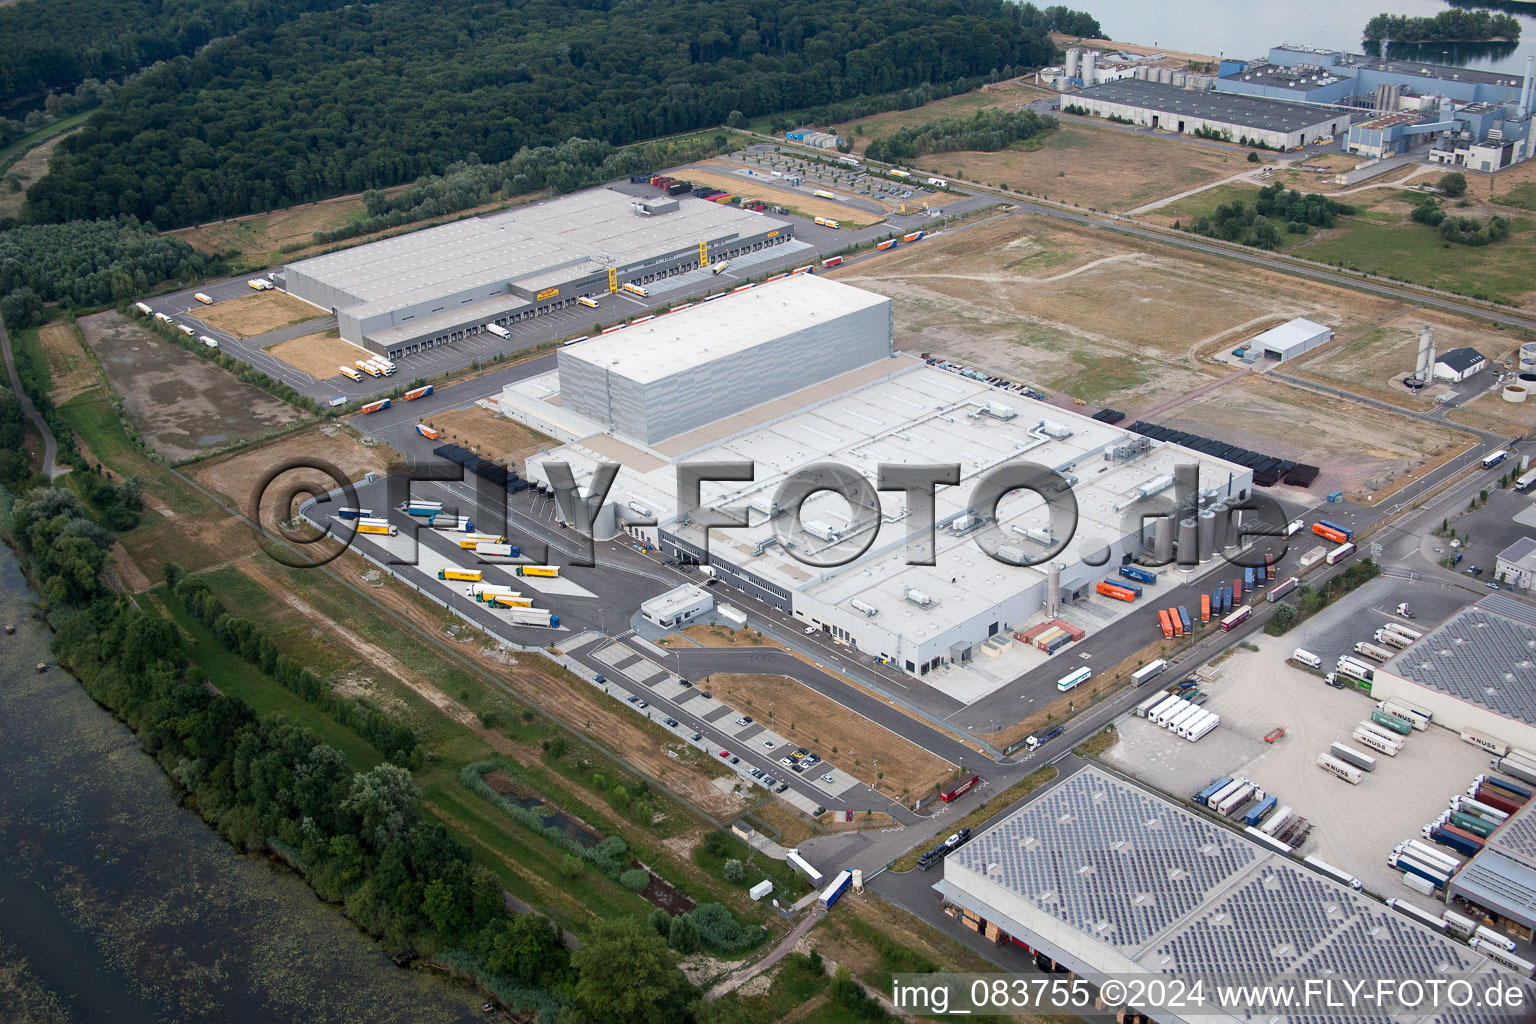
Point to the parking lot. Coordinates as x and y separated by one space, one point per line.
1354 827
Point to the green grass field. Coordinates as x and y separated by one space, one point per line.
10 154
1414 252
1522 195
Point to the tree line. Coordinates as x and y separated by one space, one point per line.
1259 223
88 263
986 130
368 96
1453 26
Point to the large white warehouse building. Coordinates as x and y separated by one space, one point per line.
824 388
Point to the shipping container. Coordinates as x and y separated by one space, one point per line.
1115 591
382 403
1205 607
1149 703
1140 575
1205 794
834 892
430 433
538 570
1420 720
1256 815
463 575
1391 721
1350 755
1329 534
1371 741
1339 769
1165 622
415 393
1211 721
1488 743
1372 651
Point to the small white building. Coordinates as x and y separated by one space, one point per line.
678 607
732 617
1458 364
1517 563
1290 340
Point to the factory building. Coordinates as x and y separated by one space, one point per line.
1281 126
1516 564
1289 340
1103 879
435 287
1459 363
1500 879
866 408
1472 671
1309 75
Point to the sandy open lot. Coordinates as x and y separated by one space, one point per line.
1075 310
850 741
258 313
181 404
1374 360
68 366
335 443
320 355
492 436
721 175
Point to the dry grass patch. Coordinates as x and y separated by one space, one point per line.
718 173
1010 95
68 367
1094 166
721 636
1491 412
320 355
258 313
493 436
27 168
853 743
233 475
1378 356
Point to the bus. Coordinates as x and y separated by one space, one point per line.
1237 618
588 301
1340 553
1073 679
1494 458
635 289
822 193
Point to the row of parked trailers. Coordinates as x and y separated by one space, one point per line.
1260 813
1179 711
1268 470
1051 636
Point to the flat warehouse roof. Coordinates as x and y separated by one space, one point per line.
1228 108
578 233
1290 334
1119 877
1482 655
689 338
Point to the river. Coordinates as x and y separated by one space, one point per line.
119 905
1246 29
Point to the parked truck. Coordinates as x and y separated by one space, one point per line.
1411 865
1372 651
1373 741
1463 844
534 617
1256 815
462 575
1353 669
1211 721
834 892
1204 796
1184 618
510 601
1515 768
1278 820
1387 636
1391 721
538 570
381 527
1339 769
1140 575
1036 742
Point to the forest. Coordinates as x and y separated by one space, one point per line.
368 96
1453 26
1255 224
986 130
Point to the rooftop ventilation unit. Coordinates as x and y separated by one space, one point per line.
869 610
999 410
1050 428
817 528
1156 485
917 597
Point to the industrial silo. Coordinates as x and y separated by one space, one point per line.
1221 514
1090 61
1162 540
1528 357
1189 542
1179 78
1207 534
1073 55
1234 529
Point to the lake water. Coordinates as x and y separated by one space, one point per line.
118 905
1245 29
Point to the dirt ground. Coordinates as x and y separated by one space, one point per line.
1072 309
720 636
840 736
1172 56
493 436
30 166
1491 412
320 355
181 404
720 174
234 475
1100 167
1380 355
68 365
258 313
1362 451
836 940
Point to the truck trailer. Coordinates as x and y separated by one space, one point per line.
1371 741
834 892
533 617
1350 755
1339 769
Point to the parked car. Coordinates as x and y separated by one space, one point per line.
643 704
672 722
735 759
782 787
599 678
767 744
827 778
632 698
744 720
725 754
770 781
684 682
809 630
705 693
696 737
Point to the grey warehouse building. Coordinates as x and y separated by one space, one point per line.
1501 877
1278 125
1103 879
434 287
669 375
